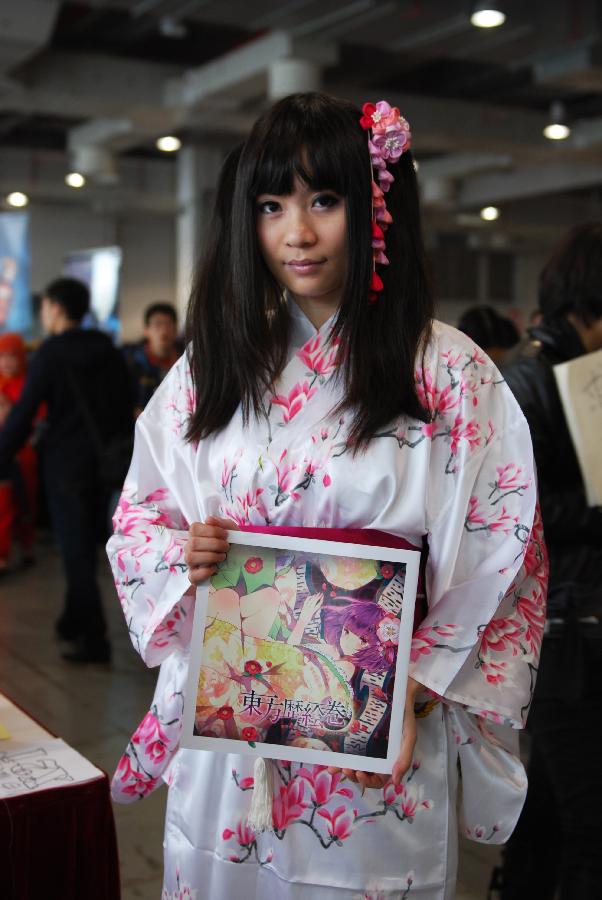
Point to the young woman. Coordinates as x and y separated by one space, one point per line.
318 381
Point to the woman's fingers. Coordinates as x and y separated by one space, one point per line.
201 532
205 539
200 574
204 558
364 779
217 545
372 780
207 546
228 524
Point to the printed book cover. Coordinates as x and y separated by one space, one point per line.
300 651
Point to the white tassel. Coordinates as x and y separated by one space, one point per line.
260 814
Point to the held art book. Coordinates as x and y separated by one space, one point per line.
300 651
580 387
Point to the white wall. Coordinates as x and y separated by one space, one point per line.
526 273
148 267
527 266
147 241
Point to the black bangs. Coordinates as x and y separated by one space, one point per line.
238 326
308 138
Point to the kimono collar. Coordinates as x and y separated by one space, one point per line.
302 330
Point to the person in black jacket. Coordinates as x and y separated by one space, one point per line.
558 840
82 378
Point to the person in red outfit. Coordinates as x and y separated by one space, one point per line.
18 496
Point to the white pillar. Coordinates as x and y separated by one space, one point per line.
198 171
288 76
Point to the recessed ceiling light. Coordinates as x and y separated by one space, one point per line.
487 15
490 213
75 180
17 198
557 128
169 143
556 131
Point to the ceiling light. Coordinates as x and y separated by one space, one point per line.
17 198
490 213
487 15
75 180
169 143
556 131
557 128
170 27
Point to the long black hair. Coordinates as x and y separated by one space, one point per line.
238 324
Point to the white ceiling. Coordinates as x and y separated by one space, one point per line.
101 73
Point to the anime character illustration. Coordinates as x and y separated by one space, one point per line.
300 650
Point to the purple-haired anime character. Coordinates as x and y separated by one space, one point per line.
359 632
362 634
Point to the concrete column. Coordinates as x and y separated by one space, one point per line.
197 174
287 76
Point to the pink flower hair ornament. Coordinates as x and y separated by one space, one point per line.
390 137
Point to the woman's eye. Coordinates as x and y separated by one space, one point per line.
265 207
325 201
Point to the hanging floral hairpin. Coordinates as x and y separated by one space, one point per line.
391 136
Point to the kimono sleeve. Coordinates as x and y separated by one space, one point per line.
487 568
151 522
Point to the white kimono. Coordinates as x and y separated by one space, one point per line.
466 482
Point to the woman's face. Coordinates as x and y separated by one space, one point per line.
351 643
10 365
303 239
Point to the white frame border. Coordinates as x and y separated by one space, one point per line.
300 754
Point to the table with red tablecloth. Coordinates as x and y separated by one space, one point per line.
57 832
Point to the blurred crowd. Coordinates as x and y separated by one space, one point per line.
560 821
67 414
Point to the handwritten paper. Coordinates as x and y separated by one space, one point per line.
31 759
28 768
580 386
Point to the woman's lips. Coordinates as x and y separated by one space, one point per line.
305 266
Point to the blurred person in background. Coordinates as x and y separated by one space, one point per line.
558 840
84 381
150 360
495 334
18 494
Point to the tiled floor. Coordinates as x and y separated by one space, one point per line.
95 709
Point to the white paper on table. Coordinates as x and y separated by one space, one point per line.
33 760
580 387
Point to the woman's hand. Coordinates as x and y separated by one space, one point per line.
311 606
207 545
408 742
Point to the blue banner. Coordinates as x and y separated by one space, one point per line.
15 293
